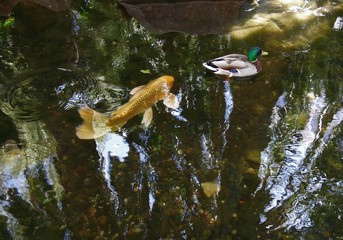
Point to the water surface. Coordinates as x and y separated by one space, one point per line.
252 159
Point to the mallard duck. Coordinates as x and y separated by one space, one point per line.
237 65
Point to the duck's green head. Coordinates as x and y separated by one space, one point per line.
254 53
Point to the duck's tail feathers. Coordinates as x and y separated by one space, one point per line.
94 124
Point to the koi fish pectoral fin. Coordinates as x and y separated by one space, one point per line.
147 117
171 101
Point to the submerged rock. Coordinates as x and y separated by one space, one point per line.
194 17
210 188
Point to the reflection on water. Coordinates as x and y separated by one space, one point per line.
22 166
210 170
110 147
289 170
163 179
113 145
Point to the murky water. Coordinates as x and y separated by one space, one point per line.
253 159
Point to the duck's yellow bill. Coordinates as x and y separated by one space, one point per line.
264 53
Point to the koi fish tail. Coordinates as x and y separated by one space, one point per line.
94 124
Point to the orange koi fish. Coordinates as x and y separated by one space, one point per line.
144 97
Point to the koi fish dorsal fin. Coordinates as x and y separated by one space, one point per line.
171 101
147 117
136 90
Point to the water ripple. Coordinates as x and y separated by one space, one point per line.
33 94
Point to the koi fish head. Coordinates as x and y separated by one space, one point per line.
169 80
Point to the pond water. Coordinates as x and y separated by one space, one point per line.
253 159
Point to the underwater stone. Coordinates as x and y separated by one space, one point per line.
250 171
259 23
193 17
210 188
253 155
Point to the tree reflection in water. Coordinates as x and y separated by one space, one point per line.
304 126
